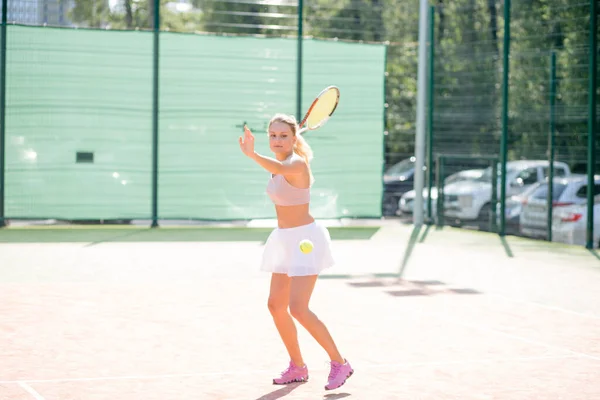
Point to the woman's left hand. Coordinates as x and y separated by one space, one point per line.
247 143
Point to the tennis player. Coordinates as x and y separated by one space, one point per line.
294 273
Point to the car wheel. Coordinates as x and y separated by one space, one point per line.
390 207
483 219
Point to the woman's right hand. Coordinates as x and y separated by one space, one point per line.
247 142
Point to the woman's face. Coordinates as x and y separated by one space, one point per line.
281 138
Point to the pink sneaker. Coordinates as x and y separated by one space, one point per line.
338 375
293 373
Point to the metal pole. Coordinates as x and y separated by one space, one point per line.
591 156
299 61
155 111
420 138
504 139
551 142
385 122
431 105
3 111
494 202
439 179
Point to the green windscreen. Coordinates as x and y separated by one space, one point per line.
79 124
78 91
349 148
208 87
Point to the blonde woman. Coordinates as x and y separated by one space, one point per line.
294 273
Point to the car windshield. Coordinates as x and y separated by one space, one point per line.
541 193
462 176
401 168
487 174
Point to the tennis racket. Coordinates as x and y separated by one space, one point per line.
320 110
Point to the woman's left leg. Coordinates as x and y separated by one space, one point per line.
300 292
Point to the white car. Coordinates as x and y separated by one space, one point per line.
470 201
566 192
513 210
406 202
569 224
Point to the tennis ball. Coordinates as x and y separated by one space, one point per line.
306 246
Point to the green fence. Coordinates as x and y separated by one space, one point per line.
516 82
79 116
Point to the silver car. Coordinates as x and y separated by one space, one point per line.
567 191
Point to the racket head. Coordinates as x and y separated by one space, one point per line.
321 108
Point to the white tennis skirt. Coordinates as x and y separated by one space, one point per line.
282 253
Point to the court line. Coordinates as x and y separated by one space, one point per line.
514 299
542 305
470 361
30 390
509 335
356 366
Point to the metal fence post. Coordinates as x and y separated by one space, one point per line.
3 112
592 124
155 110
494 202
440 191
504 139
430 116
299 61
551 142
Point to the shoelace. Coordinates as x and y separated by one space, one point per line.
335 368
287 370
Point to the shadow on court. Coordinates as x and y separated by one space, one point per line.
335 396
409 288
594 253
412 241
115 238
280 393
506 247
395 286
425 233
284 391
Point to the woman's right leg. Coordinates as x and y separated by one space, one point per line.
279 299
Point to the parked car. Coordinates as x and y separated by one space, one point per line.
397 180
566 192
469 202
513 209
406 203
569 224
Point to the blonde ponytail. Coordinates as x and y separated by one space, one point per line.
302 148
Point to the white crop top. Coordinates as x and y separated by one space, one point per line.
282 193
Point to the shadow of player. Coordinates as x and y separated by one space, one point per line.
279 393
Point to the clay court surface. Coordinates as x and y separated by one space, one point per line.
180 314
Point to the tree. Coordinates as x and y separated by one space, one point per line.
223 16
132 14
91 13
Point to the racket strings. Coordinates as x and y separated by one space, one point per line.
323 108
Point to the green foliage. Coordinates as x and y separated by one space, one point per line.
93 14
539 27
247 17
133 14
467 79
